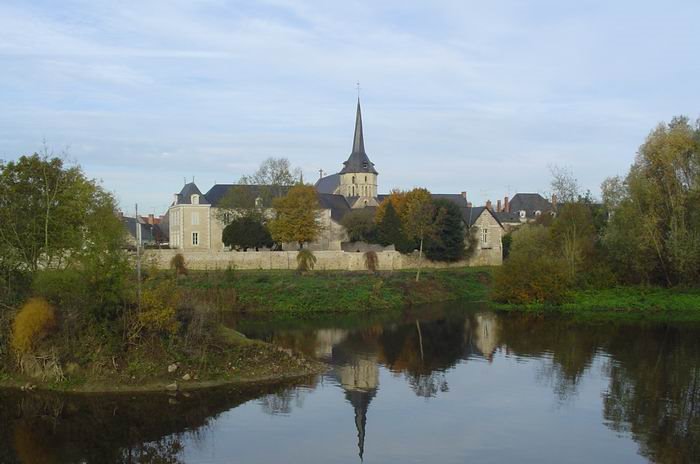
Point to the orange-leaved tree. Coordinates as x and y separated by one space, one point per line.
296 216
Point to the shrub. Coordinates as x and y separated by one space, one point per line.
371 261
33 322
305 260
532 273
158 313
177 263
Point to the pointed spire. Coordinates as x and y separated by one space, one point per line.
358 161
358 142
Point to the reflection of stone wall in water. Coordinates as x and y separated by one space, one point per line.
326 339
487 333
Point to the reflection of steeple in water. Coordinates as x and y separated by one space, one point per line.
358 375
360 400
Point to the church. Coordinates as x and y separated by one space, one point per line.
194 225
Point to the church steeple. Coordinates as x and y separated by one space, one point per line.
358 162
358 142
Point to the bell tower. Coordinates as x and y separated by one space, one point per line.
358 178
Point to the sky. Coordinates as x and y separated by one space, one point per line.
482 97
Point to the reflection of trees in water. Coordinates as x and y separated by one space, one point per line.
46 427
566 348
282 402
164 451
654 392
428 385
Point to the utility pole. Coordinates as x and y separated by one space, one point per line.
138 257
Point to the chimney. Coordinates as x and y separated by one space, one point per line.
469 204
506 205
464 195
151 219
498 206
488 205
554 202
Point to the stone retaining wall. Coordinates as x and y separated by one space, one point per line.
326 260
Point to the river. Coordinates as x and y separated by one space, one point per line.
444 384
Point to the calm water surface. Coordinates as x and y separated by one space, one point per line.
442 384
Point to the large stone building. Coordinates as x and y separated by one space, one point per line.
195 223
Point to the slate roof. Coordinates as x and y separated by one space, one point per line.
456 198
471 214
328 184
338 205
219 191
358 160
185 195
529 202
509 217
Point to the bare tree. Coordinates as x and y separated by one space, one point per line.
564 185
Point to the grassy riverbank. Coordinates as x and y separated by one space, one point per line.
230 359
286 291
653 304
204 352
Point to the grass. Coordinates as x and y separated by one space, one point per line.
287 291
653 304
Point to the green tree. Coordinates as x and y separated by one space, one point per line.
419 219
575 236
390 231
49 212
246 232
360 226
448 243
52 218
296 216
654 232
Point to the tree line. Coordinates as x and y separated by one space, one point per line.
646 229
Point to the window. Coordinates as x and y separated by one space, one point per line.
195 219
258 202
538 212
227 218
353 179
195 238
195 199
484 235
365 178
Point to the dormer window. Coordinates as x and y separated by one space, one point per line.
258 202
195 199
538 212
365 165
522 214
